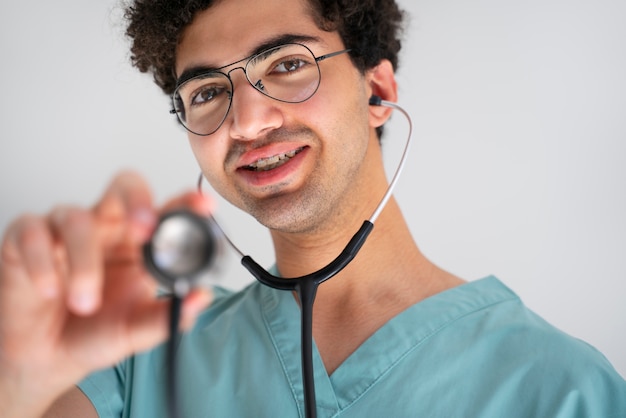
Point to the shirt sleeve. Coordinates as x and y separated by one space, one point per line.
105 390
598 391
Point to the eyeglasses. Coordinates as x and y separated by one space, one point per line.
288 73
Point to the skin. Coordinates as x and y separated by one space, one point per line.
71 280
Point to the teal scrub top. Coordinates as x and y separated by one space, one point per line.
471 351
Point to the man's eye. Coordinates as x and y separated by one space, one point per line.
290 65
206 94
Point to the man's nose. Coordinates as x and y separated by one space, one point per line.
252 113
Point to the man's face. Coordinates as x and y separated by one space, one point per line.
322 143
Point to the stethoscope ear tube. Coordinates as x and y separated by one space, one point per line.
317 277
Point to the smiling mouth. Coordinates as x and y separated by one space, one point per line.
270 163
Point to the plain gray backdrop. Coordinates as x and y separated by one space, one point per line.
518 167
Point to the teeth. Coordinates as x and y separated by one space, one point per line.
265 164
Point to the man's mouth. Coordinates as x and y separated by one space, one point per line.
270 163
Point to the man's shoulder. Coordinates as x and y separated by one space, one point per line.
517 347
503 327
495 353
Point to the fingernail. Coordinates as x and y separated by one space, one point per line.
83 302
144 217
144 221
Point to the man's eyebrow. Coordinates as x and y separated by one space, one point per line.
191 72
283 39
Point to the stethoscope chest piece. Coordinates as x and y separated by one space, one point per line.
184 251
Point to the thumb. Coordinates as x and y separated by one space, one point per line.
148 324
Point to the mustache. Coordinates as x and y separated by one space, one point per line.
239 147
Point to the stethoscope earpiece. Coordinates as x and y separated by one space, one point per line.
375 100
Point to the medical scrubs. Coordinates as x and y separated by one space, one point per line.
471 351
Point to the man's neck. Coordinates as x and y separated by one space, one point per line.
387 276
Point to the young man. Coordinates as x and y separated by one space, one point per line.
394 334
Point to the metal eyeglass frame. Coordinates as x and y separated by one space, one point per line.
178 108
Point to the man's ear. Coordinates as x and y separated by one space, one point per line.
382 83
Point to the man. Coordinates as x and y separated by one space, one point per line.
394 334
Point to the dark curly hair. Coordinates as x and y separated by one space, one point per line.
371 29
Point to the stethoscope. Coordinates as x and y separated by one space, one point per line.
184 250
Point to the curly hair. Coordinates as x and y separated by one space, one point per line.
371 29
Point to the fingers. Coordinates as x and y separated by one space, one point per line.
129 197
197 202
126 209
56 255
65 252
27 257
78 238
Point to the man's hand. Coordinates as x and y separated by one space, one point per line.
74 295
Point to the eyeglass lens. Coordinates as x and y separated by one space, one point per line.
288 73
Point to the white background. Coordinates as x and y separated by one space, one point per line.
518 170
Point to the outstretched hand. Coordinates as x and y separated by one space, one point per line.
75 297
